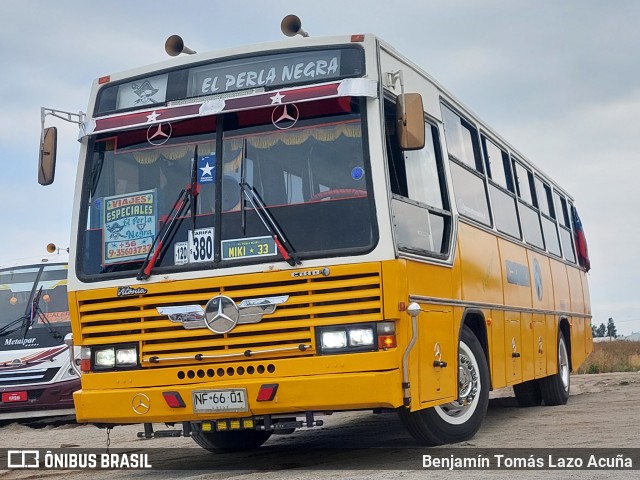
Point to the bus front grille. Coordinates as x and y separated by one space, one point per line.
314 300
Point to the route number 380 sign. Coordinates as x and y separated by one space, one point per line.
200 245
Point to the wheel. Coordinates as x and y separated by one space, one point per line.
338 193
230 441
459 420
528 393
555 388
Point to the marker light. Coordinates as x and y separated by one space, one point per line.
173 399
85 359
267 392
386 335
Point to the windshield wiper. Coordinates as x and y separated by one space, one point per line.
165 234
12 326
187 197
36 312
282 244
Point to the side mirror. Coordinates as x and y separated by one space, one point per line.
410 121
47 160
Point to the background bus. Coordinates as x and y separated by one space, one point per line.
36 379
264 234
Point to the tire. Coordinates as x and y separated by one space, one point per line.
555 388
219 442
528 394
455 422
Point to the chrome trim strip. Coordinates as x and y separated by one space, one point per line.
247 354
493 306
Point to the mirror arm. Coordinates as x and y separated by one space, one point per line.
392 78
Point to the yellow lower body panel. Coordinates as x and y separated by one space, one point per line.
346 391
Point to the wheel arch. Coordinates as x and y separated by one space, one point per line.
475 320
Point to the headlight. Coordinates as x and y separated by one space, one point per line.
331 340
360 336
114 357
126 357
357 337
105 358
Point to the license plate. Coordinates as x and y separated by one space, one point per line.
226 400
8 397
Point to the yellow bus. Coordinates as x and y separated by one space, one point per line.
266 234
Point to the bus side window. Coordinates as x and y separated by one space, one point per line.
547 217
562 213
420 208
501 188
528 204
466 167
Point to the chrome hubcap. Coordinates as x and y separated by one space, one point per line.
563 365
468 386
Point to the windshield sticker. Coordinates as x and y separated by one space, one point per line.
357 173
180 253
129 226
207 168
148 91
248 248
201 245
55 317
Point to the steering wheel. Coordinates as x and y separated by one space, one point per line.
338 193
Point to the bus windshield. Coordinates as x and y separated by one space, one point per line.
25 323
306 163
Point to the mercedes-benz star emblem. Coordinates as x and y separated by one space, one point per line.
221 314
285 116
159 134
141 404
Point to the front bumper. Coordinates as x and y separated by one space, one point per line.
331 392
42 400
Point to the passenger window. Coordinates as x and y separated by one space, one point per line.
547 217
498 164
501 190
461 139
543 192
529 215
420 208
565 227
466 169
523 183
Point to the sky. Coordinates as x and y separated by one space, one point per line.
557 79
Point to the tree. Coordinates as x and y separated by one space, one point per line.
611 329
602 330
594 331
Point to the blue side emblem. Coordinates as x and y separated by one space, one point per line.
537 278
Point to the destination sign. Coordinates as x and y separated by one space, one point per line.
283 69
269 70
248 248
